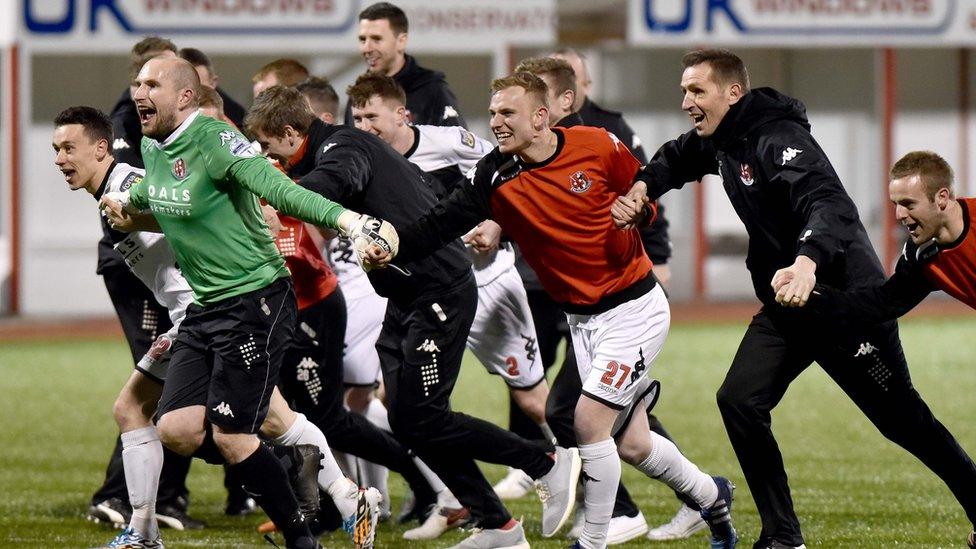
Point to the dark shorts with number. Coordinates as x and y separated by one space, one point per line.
228 354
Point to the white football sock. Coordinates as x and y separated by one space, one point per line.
601 465
445 498
142 460
377 415
345 495
303 431
376 476
667 464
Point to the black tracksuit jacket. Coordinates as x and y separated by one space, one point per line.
781 185
363 173
429 99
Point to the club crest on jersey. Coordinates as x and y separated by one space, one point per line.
179 169
579 182
745 175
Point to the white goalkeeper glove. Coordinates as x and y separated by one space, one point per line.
366 230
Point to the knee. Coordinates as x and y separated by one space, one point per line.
534 408
273 427
731 400
128 413
633 451
180 436
358 399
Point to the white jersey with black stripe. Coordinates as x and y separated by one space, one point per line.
150 257
447 152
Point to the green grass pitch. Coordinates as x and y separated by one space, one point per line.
852 488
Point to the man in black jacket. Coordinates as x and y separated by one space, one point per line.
804 228
431 304
383 41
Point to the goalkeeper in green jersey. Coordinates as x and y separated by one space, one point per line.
202 184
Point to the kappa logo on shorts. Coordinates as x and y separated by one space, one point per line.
639 367
428 346
579 182
530 347
223 409
865 349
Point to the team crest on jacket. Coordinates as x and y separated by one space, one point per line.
745 174
579 183
179 169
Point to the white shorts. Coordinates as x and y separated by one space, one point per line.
503 335
364 320
615 348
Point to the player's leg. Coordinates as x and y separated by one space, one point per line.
142 319
247 335
763 367
143 459
432 350
503 338
870 366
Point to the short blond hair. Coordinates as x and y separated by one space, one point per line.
931 168
562 73
532 84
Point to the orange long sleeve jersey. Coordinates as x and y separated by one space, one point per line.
920 271
558 212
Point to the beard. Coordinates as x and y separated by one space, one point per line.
161 126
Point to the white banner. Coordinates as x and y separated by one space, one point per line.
314 26
802 23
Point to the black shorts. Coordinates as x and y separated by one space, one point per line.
143 319
228 354
311 373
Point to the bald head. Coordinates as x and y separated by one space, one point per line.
167 92
583 81
183 73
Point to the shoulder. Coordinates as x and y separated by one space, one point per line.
916 256
210 134
596 115
450 136
784 142
591 107
592 137
124 176
493 164
344 136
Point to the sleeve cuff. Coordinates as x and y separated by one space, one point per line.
813 252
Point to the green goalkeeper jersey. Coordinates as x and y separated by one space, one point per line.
202 184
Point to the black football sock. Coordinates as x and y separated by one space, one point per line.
266 480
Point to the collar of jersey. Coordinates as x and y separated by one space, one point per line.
178 131
299 154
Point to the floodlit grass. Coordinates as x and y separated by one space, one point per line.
852 488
